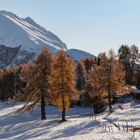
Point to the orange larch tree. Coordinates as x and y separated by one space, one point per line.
38 84
63 82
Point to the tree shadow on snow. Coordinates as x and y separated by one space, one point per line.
80 129
28 130
29 125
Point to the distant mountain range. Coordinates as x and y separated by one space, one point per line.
22 38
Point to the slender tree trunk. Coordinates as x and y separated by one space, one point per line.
43 112
63 109
126 75
109 101
132 75
62 88
109 88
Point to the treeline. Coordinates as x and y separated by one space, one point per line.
59 81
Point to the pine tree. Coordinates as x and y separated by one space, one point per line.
124 53
38 83
80 76
135 57
63 82
88 62
129 57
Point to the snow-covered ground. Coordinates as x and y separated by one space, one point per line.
80 125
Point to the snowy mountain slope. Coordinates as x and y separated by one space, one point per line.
27 37
78 54
15 31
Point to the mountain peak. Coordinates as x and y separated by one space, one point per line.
16 31
30 20
7 13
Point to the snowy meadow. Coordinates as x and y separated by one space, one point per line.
80 123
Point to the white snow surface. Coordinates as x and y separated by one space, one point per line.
79 125
136 91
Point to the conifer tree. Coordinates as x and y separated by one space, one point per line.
94 90
129 57
124 53
7 83
20 84
109 77
135 58
38 84
63 82
80 76
88 62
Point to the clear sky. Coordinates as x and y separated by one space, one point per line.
91 25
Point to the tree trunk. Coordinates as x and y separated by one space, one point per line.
63 109
109 89
132 75
43 112
109 101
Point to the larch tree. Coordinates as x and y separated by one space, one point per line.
63 82
94 90
7 83
20 84
110 77
38 84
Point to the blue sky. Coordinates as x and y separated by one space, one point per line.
91 25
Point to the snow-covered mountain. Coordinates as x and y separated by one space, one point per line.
78 54
24 37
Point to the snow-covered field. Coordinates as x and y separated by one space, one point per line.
80 125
